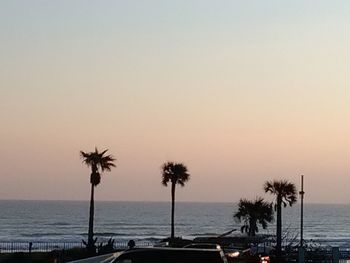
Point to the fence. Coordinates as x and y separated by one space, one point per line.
320 254
10 247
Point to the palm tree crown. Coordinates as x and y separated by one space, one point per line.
97 160
175 173
283 189
252 213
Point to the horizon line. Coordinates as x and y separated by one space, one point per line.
152 201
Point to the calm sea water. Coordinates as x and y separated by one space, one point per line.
150 221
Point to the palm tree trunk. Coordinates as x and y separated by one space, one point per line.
252 227
279 227
172 209
90 245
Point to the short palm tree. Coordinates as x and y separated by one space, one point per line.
253 213
285 193
174 173
97 161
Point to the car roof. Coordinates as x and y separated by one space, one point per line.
172 255
169 249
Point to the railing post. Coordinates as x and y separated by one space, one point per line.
301 255
335 254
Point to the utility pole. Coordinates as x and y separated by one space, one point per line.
301 250
301 210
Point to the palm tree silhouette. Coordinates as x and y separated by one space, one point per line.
96 160
252 213
174 173
285 193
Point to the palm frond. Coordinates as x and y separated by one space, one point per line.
251 212
175 173
97 160
283 189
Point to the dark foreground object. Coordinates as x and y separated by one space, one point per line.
56 256
23 257
171 255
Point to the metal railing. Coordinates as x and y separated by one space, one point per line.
320 254
10 247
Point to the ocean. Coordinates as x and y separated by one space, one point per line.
67 221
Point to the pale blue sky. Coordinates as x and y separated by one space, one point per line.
240 91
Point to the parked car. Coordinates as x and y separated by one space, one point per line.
261 249
228 251
234 253
171 255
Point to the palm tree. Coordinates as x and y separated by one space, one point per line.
285 193
252 213
174 173
97 161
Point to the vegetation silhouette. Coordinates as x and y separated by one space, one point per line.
285 193
106 248
97 161
174 173
253 213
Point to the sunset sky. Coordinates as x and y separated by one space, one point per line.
239 91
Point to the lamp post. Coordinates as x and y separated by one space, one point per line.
301 210
301 250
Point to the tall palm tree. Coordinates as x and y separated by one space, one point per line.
252 213
285 193
97 161
174 173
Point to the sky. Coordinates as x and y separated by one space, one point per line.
241 92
